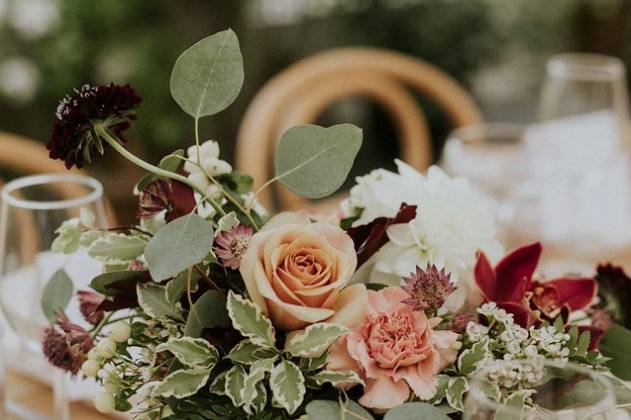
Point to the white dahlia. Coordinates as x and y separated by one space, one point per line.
453 222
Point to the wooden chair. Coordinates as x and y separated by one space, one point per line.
300 93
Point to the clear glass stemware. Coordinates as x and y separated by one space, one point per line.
32 208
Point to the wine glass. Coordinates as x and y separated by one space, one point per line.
578 158
540 389
32 208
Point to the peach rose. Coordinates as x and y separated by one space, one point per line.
296 271
394 349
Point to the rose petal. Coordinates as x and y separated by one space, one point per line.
350 306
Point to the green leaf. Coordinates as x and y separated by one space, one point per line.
171 163
152 300
235 379
583 343
218 385
314 161
256 375
56 295
192 352
469 358
176 288
117 248
415 411
227 222
315 339
333 410
260 400
313 363
178 245
616 345
250 321
208 76
207 312
182 383
455 392
103 282
248 353
288 385
337 378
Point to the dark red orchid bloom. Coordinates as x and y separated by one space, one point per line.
511 286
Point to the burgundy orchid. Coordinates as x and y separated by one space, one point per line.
511 286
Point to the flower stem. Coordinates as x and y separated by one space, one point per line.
112 141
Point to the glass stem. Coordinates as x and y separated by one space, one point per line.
61 407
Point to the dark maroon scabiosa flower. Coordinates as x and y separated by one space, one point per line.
74 138
428 288
173 197
230 246
89 302
66 345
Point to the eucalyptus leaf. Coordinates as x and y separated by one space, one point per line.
56 295
208 76
333 410
416 411
178 245
207 312
314 161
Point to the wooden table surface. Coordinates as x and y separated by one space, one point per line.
38 398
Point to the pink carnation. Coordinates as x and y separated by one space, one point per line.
394 349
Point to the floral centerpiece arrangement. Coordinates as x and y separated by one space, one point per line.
209 307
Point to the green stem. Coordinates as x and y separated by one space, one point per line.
112 141
100 325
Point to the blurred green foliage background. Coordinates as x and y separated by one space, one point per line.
497 48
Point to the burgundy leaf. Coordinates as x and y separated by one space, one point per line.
369 238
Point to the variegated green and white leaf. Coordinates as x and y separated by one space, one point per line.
315 339
288 385
455 392
192 352
250 321
218 385
86 217
256 375
335 378
469 358
152 299
314 363
514 405
182 383
227 223
68 236
117 248
336 410
235 379
248 353
259 402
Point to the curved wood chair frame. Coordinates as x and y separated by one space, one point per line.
285 95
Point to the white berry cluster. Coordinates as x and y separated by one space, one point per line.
507 376
509 341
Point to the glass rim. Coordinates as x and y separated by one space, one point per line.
489 403
486 130
585 66
41 179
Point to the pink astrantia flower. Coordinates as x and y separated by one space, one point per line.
230 246
394 349
427 288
